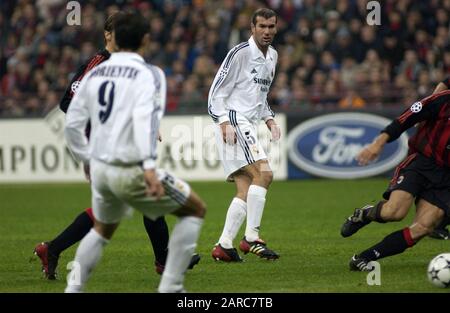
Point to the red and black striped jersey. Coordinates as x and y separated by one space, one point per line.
433 138
98 58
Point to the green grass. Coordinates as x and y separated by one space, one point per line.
301 221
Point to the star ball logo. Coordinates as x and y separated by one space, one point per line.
75 86
416 107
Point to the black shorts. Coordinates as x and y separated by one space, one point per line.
421 177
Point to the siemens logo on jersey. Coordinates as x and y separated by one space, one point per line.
262 81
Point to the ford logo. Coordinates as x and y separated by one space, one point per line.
326 146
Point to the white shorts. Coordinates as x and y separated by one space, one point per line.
117 188
247 149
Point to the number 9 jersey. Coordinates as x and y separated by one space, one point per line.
124 100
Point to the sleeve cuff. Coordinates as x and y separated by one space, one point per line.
149 164
223 118
393 130
270 117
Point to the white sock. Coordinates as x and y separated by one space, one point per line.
256 198
87 256
182 243
235 217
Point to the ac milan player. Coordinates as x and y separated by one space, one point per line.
441 231
423 177
157 230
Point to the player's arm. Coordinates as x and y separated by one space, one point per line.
423 110
77 78
222 87
372 151
443 85
70 90
147 113
77 118
268 117
419 111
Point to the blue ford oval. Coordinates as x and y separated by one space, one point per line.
326 146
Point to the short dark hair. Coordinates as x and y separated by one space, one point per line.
264 12
111 20
130 29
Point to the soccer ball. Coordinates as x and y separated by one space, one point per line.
439 270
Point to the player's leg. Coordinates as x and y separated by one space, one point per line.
427 218
108 211
91 247
188 207
88 255
182 243
395 209
158 233
261 176
49 252
254 159
403 187
441 231
236 214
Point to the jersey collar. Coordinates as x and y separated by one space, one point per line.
128 55
257 53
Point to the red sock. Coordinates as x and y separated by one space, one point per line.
91 215
408 238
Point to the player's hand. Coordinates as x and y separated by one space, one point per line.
372 151
228 133
87 171
154 186
369 154
274 130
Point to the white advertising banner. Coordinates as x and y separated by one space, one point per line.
34 150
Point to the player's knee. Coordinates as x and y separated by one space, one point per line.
263 178
267 177
105 230
200 209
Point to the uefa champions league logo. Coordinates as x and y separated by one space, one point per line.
75 86
416 107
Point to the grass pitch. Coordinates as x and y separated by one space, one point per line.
301 221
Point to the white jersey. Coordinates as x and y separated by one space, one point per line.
242 83
124 100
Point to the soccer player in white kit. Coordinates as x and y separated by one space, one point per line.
237 102
124 99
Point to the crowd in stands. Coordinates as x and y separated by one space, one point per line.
329 56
